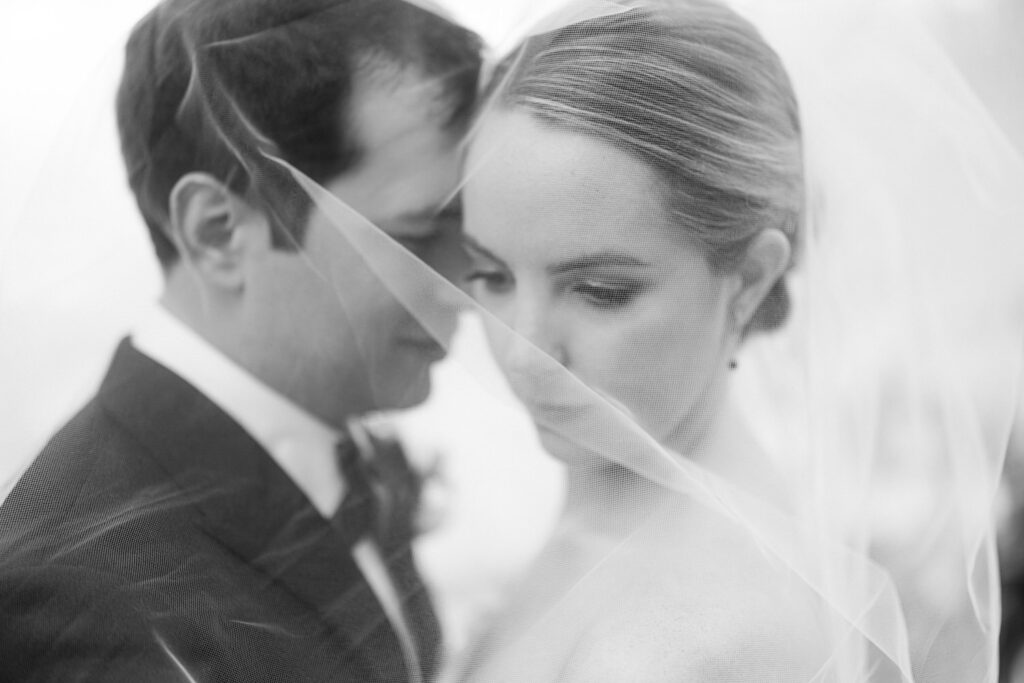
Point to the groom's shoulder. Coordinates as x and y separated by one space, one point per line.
90 450
91 473
100 454
61 527
91 548
72 514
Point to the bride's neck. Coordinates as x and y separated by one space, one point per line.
609 500
698 430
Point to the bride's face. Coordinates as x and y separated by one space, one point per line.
572 250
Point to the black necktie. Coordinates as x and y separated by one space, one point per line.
381 497
355 516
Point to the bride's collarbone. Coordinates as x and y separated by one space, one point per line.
710 645
699 610
685 595
658 617
629 635
699 626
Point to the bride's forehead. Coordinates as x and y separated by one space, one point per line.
537 152
520 168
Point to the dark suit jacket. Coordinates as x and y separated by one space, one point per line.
153 537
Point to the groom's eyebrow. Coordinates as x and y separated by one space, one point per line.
419 218
432 219
608 259
473 246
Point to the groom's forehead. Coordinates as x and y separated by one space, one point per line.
408 157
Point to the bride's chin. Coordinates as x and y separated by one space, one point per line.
567 450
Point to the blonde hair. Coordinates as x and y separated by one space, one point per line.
692 90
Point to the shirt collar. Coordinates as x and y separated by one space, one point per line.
302 445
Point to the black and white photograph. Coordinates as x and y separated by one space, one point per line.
512 341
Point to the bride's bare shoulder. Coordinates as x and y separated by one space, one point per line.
746 633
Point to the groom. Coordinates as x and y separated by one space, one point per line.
209 515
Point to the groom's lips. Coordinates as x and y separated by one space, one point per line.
428 346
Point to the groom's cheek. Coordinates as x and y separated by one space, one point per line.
445 254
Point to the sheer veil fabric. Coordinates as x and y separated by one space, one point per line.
882 406
824 511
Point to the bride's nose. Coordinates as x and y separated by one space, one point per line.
537 343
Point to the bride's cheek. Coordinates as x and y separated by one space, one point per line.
622 364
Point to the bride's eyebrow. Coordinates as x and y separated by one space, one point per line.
599 260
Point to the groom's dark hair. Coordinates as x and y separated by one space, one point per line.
215 85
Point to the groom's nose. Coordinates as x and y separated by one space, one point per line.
446 254
448 259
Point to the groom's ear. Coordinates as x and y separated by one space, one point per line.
215 230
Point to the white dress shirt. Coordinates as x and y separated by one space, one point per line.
302 445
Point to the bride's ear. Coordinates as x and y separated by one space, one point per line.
766 260
214 230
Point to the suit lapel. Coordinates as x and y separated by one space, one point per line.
249 504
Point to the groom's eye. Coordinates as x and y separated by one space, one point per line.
417 244
493 280
450 217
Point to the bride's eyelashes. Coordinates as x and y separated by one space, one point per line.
593 292
608 295
597 281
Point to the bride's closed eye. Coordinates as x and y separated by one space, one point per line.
605 295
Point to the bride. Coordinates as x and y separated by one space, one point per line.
636 194
634 198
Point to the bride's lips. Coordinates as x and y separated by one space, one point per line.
552 399
561 408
